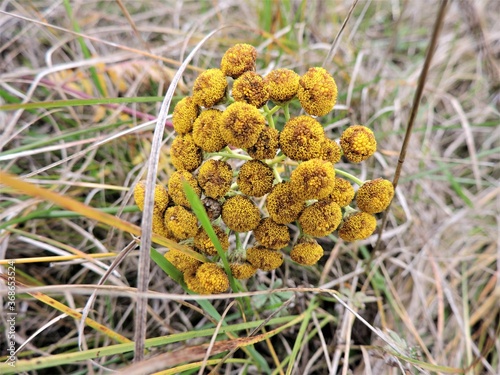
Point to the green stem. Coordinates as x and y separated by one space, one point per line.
269 115
277 160
349 176
276 173
287 112
229 155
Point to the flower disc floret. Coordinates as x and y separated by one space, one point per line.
238 59
182 261
206 131
242 271
266 146
282 205
282 85
161 197
240 214
212 278
271 234
301 138
342 193
357 226
330 151
306 253
209 88
375 196
263 258
358 143
255 178
313 179
250 88
215 177
176 188
181 222
203 243
185 112
193 283
320 218
317 92
185 154
241 125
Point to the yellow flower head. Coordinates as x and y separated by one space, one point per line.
184 153
250 88
342 193
206 131
193 283
271 234
302 138
240 214
320 218
212 278
159 227
176 189
330 151
283 206
255 178
241 125
185 112
313 179
242 271
266 146
306 252
374 196
182 261
238 59
263 258
215 177
282 85
357 226
358 143
209 88
161 197
181 222
317 92
203 243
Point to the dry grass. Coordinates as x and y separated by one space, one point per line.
433 291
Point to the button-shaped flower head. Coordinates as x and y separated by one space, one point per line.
302 138
176 188
306 252
313 179
264 259
182 223
185 154
240 214
357 226
215 177
282 85
203 243
161 197
271 234
330 151
209 88
320 218
375 196
266 146
358 143
282 205
185 112
242 271
212 278
241 125
238 59
317 92
342 193
182 261
206 131
255 178
250 88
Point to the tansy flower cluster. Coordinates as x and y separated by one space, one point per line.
261 173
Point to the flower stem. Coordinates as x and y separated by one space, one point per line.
349 176
286 108
269 114
229 155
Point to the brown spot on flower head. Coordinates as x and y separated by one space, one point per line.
375 196
185 112
184 153
182 261
240 214
206 131
212 278
330 151
282 85
313 179
301 138
317 92
306 252
161 197
357 226
250 88
358 143
203 243
238 59
182 223
241 125
271 234
266 146
215 177
209 88
242 271
320 218
255 178
282 205
342 193
263 258
176 188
